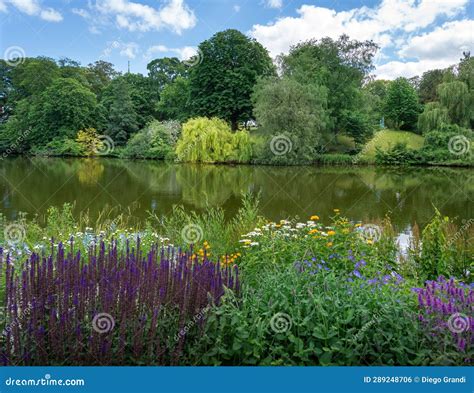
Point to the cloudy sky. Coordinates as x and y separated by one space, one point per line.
415 35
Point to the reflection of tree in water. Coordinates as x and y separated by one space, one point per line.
211 185
89 171
156 176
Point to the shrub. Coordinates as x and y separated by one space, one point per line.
113 307
156 140
211 141
399 154
306 315
89 141
60 147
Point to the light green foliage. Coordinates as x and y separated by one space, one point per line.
211 140
455 97
89 141
434 115
401 105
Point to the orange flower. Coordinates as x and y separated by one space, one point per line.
331 233
314 218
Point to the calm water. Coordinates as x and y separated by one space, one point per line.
366 193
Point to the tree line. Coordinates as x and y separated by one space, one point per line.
318 92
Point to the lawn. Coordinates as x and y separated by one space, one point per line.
387 138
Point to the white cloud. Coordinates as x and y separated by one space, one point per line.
393 24
51 15
33 8
184 53
394 69
174 15
446 41
125 49
274 3
236 8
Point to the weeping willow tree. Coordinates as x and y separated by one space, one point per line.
455 97
433 116
211 140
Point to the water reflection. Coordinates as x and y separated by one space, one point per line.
365 193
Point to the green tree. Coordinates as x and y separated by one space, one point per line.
455 97
428 84
339 65
99 75
433 117
164 71
401 105
63 109
222 83
122 117
294 110
174 101
33 76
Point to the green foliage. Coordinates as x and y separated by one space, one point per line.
305 318
434 116
287 107
399 154
455 97
165 71
222 82
157 140
357 125
211 140
401 105
89 141
122 117
428 85
60 147
61 111
338 65
174 101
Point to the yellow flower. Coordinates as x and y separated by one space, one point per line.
345 230
329 244
370 241
277 225
312 231
331 233
358 225
336 210
312 218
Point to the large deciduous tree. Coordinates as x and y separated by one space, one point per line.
339 65
62 110
401 105
222 82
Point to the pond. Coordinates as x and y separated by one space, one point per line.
408 195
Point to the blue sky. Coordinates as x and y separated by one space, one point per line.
415 35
